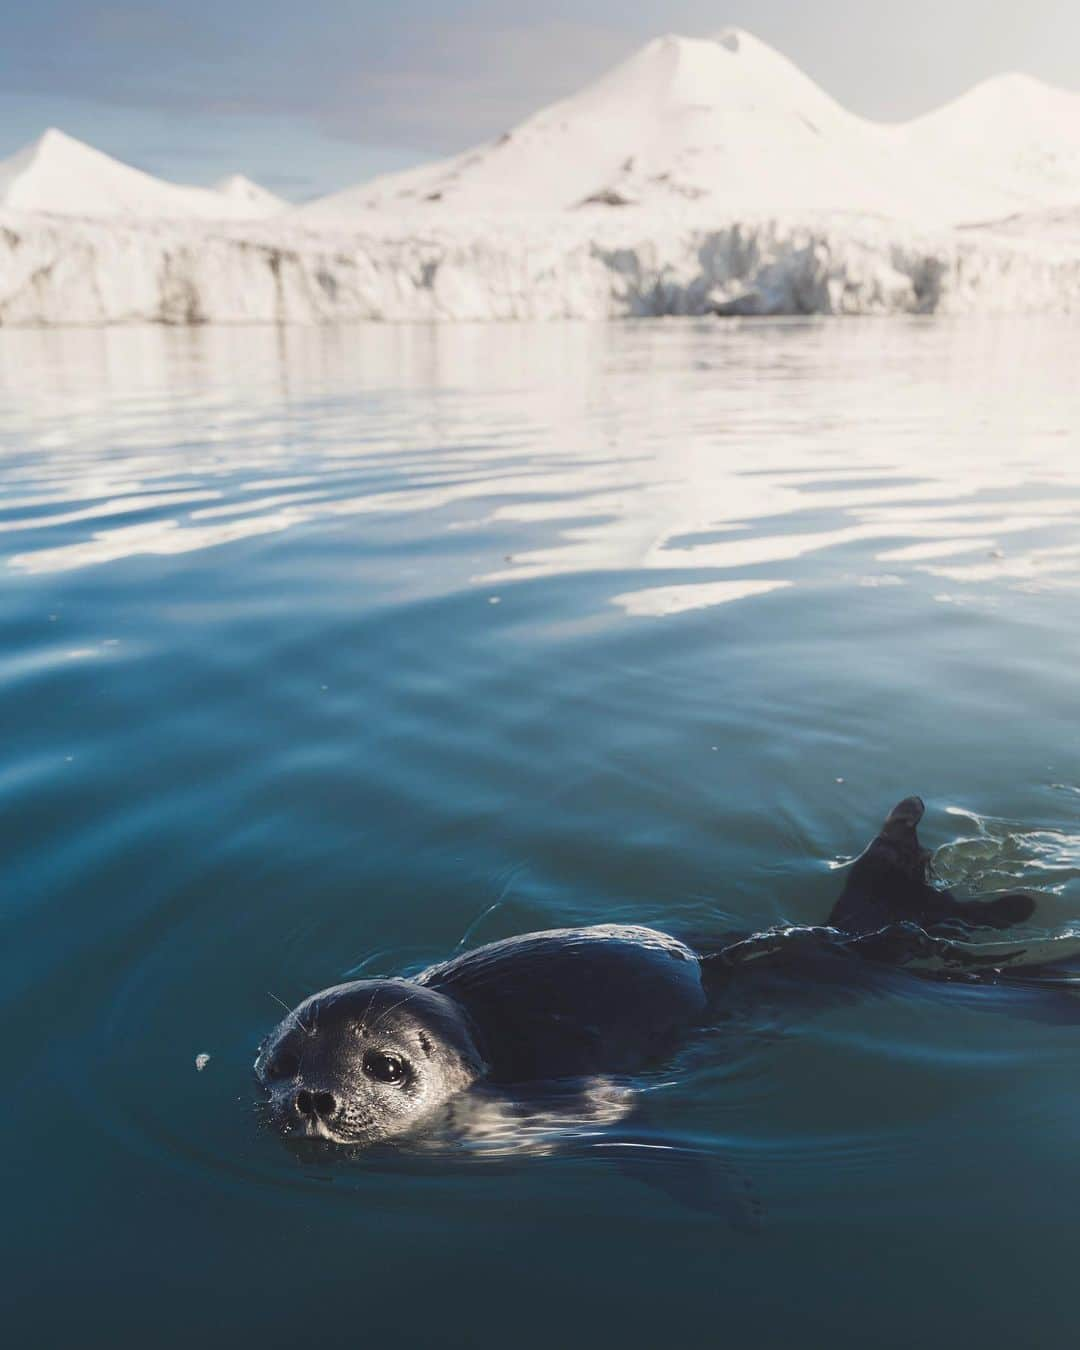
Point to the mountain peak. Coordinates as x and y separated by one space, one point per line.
61 175
1015 82
737 40
54 136
55 145
722 119
239 188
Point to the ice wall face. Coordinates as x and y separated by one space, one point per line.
584 266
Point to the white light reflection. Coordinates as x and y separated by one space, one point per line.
946 450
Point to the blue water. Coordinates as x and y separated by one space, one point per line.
327 652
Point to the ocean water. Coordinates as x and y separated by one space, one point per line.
328 652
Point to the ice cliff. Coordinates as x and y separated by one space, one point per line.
590 265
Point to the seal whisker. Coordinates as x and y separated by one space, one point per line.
293 1013
491 908
387 1011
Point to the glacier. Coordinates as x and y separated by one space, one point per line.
698 177
598 264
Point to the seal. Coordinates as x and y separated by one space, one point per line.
373 1059
378 1059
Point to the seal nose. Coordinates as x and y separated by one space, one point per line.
315 1104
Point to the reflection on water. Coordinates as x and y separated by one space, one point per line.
751 460
327 652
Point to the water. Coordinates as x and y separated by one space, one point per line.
322 652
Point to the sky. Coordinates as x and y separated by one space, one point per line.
314 96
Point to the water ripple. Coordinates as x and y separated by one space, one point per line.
324 651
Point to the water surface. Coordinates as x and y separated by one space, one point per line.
328 652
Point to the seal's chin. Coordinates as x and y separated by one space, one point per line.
321 1141
316 1129
349 1132
315 1132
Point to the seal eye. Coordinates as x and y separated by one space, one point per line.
384 1068
285 1065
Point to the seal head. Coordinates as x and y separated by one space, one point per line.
366 1061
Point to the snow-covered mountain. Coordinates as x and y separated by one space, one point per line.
729 124
701 176
686 127
727 121
250 198
59 175
1013 134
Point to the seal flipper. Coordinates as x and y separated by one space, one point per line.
999 911
889 883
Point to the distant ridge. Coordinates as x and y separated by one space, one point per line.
60 175
1012 132
728 123
249 196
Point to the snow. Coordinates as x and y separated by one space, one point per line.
683 120
701 176
1012 134
254 200
729 122
1057 224
62 176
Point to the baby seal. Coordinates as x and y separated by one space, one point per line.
377 1059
